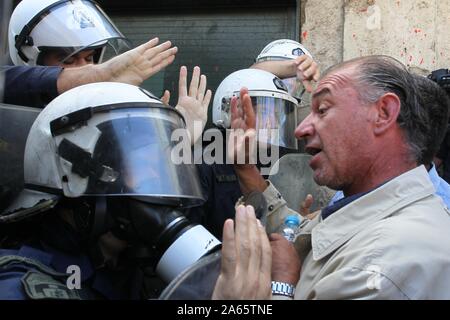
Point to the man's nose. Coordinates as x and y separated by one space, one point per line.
305 128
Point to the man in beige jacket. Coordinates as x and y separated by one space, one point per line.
389 237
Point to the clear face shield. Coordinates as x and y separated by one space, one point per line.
295 87
125 151
75 26
276 117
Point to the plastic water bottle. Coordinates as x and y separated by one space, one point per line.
289 229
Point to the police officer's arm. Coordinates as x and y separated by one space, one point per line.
303 67
132 67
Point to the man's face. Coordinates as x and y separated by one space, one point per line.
82 58
338 131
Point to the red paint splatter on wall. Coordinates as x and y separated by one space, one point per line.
421 61
305 35
417 31
398 3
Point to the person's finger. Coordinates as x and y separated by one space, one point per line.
149 44
306 205
305 65
166 97
155 59
160 61
299 60
158 67
316 75
242 238
254 258
151 53
234 109
159 48
265 269
193 88
201 88
247 107
228 265
182 84
249 142
308 85
206 101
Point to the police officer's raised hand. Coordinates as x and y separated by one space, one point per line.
307 71
246 259
140 63
132 67
193 104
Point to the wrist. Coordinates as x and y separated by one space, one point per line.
103 72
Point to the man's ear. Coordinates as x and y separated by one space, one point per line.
388 110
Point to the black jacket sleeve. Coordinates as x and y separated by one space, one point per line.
30 86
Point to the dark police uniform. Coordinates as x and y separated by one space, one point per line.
38 269
30 86
221 190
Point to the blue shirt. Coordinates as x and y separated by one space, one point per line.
441 186
30 86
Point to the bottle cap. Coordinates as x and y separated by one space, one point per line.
292 219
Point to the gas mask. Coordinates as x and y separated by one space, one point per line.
114 142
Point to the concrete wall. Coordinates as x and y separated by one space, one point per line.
417 32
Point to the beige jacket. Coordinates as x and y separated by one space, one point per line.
393 243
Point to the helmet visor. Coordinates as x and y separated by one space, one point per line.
128 151
276 117
76 26
295 87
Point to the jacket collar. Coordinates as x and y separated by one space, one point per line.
382 202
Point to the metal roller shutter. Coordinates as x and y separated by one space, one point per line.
220 41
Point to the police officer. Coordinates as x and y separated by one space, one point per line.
101 204
71 34
286 59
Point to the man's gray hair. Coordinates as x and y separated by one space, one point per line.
378 75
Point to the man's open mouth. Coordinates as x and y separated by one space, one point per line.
312 150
